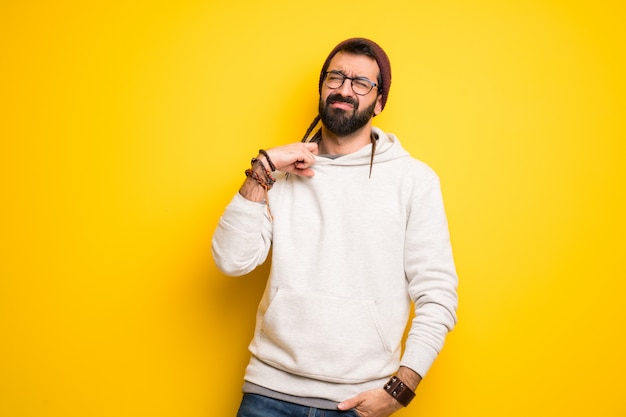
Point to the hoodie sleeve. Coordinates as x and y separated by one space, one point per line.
242 238
431 276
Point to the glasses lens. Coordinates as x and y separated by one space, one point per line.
334 80
361 86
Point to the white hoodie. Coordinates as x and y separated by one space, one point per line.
349 254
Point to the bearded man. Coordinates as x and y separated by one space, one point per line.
359 236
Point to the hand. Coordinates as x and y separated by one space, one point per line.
378 402
296 158
373 403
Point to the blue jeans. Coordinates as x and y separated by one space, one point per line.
254 405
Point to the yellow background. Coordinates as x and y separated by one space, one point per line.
125 129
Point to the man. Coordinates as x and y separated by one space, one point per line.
358 231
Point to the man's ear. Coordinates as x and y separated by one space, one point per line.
379 105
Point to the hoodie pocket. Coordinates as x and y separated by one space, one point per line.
329 338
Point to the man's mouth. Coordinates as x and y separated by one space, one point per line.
341 105
344 103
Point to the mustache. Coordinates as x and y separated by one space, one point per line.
338 98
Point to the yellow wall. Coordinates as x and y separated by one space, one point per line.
126 126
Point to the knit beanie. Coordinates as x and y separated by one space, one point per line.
379 55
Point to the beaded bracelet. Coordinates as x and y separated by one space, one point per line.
269 161
266 183
250 173
271 180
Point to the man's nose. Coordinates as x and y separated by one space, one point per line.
346 88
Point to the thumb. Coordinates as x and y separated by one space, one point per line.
348 404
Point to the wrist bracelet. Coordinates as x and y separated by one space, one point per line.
269 161
398 390
268 175
250 173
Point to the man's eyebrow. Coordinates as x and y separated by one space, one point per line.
345 75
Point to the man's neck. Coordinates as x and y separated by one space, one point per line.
332 144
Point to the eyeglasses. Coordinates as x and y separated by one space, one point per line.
360 85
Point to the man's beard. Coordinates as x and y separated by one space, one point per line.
340 121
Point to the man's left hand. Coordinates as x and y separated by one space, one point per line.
372 403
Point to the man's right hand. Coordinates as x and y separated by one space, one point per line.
295 158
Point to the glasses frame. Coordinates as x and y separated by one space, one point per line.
345 77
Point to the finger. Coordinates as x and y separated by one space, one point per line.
306 172
348 404
311 147
305 160
303 163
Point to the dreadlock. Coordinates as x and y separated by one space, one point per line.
306 137
318 136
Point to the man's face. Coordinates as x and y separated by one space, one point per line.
343 112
